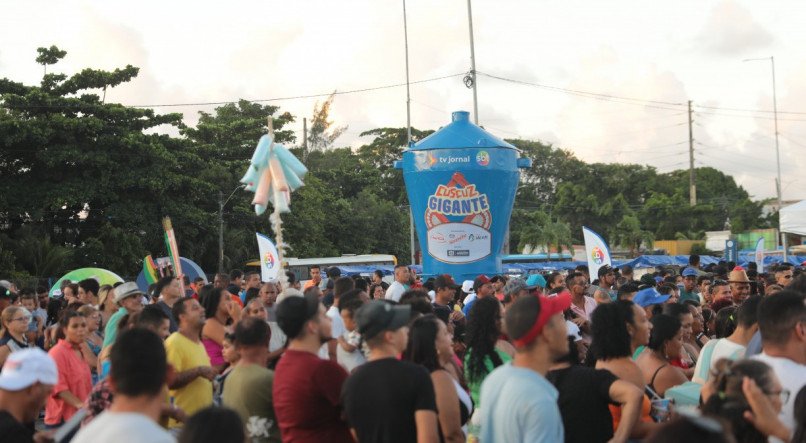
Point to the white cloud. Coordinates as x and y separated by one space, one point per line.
257 50
731 30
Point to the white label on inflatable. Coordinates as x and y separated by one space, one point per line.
459 242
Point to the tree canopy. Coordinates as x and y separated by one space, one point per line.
85 183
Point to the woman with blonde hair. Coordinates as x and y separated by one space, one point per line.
14 320
106 304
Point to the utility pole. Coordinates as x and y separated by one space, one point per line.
412 243
221 204
692 186
220 231
778 184
408 124
408 93
304 139
473 65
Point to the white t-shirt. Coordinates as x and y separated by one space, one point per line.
470 297
278 337
722 348
394 291
336 328
350 360
123 427
793 378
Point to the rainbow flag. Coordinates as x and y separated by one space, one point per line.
150 270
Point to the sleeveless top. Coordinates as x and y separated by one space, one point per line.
214 351
465 403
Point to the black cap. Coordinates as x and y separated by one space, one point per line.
378 316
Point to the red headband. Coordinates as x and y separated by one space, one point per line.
548 307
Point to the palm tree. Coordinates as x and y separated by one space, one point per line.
628 234
690 235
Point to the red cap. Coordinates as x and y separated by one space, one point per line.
549 306
480 281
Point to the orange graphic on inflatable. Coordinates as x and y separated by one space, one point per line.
458 199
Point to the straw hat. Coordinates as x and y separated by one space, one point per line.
738 276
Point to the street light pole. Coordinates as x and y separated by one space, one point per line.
778 184
221 203
473 64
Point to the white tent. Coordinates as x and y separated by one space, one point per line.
793 218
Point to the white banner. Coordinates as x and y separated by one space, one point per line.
269 258
596 250
760 255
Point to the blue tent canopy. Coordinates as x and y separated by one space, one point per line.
642 262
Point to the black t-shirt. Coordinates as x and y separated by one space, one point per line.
381 397
12 431
583 401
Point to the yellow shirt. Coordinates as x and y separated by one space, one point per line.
183 354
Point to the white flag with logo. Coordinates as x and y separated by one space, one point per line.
596 250
269 258
760 254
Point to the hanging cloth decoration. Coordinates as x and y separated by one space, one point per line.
273 174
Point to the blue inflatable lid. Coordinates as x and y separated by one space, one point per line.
461 133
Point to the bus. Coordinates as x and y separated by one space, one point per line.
299 266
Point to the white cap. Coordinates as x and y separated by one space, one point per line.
28 366
467 286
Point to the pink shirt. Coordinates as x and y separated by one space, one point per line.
590 305
74 376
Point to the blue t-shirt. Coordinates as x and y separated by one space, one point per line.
519 405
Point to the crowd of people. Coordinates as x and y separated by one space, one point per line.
715 354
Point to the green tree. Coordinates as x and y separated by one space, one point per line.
49 56
71 164
379 155
224 142
627 233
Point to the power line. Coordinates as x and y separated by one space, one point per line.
262 100
595 95
749 110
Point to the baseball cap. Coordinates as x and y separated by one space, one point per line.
445 281
127 290
548 308
378 316
480 281
649 296
514 286
535 280
28 366
467 286
689 272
